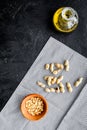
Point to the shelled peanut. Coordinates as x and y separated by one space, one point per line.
34 106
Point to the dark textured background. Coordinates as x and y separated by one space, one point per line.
25 26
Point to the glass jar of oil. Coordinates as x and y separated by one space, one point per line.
65 19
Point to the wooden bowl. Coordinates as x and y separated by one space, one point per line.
26 113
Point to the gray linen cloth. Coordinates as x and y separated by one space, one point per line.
58 104
76 118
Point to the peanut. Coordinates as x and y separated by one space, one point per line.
59 66
47 90
42 85
61 87
49 81
53 81
59 79
34 106
46 77
52 90
78 82
66 64
56 71
51 67
47 66
67 68
69 87
62 90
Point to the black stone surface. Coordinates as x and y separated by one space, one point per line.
25 26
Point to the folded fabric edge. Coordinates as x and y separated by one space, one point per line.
51 38
80 94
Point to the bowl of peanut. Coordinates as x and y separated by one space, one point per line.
34 107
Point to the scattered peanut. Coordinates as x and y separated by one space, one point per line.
42 85
49 81
34 106
66 64
59 79
53 81
59 66
56 71
52 89
67 68
62 90
46 77
69 87
57 90
47 66
78 82
51 67
47 90
61 87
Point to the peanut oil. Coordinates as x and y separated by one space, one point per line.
65 19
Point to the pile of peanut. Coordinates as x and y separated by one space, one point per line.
55 68
34 106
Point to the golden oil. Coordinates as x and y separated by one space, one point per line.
65 19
